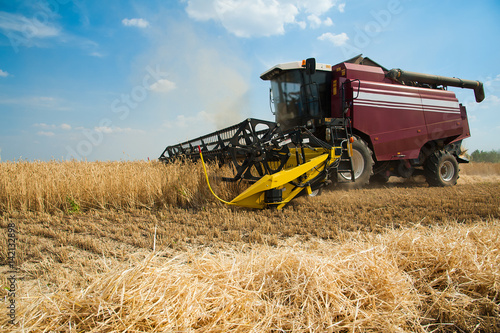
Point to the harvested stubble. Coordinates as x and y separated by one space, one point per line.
414 280
327 216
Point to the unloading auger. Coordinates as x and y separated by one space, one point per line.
278 165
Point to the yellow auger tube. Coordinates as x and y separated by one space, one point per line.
254 196
208 182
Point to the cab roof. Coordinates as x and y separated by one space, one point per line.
359 60
271 73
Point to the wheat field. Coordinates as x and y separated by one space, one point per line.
145 247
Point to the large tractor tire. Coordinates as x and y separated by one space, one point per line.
362 161
441 169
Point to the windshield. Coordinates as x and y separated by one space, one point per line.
299 97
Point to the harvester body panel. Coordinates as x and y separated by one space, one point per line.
398 119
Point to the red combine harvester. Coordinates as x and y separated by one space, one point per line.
364 122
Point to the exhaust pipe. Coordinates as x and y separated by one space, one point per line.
406 77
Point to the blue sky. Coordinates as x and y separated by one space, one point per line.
120 80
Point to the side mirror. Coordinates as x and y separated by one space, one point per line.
310 66
271 101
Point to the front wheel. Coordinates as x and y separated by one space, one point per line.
362 166
315 192
441 169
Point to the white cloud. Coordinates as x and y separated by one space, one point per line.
45 99
135 22
27 28
97 54
182 121
45 126
337 40
39 30
492 93
115 129
316 7
104 129
3 74
490 101
302 24
492 84
255 18
315 21
46 133
37 102
163 85
341 7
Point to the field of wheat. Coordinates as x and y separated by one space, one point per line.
145 247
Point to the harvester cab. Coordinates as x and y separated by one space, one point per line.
349 124
300 92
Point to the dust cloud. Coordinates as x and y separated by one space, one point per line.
211 79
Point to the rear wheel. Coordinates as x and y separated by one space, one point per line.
441 169
362 166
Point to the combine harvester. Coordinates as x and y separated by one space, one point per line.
349 124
